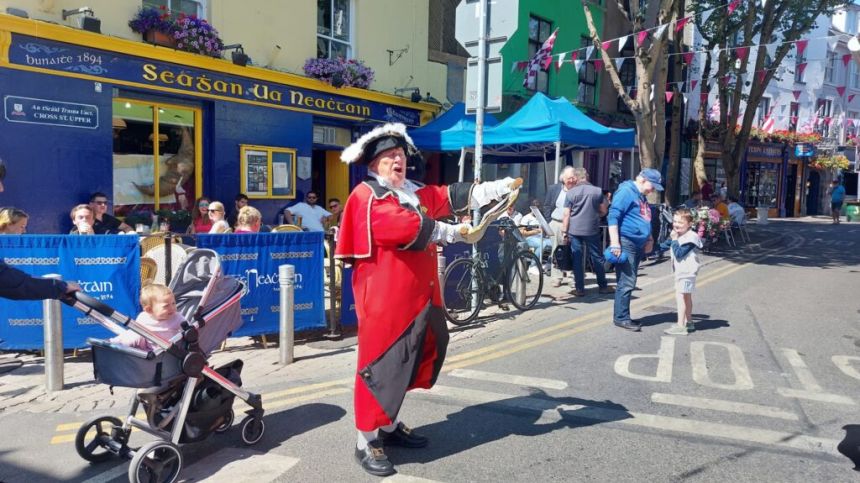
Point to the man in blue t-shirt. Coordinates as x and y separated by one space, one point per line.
837 197
630 232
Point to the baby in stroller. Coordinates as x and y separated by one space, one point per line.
159 316
164 355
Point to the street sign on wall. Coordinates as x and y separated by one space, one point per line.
502 18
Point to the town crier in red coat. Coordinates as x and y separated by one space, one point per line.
388 232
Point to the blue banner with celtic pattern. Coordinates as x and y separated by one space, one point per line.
106 267
255 258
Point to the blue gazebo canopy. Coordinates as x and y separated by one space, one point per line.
451 131
543 120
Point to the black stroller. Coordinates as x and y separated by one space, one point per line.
185 400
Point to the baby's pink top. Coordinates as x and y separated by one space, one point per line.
164 329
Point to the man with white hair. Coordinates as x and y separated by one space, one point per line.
388 232
554 212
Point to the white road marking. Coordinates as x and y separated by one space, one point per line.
743 380
722 405
816 396
804 375
401 478
742 434
238 465
509 379
844 365
665 358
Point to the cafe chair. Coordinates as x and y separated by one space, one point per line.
283 228
148 268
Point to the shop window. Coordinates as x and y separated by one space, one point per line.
188 7
830 68
763 110
587 79
627 75
794 114
762 184
334 22
854 75
823 110
539 31
799 74
156 156
268 172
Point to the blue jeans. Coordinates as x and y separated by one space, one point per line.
592 242
538 243
626 279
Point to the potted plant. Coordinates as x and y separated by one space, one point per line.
154 24
177 220
193 34
339 72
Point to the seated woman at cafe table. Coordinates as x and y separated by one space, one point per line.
13 221
249 220
216 214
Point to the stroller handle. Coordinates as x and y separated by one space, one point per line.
90 302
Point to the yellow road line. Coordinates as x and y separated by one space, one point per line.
307 397
310 387
68 427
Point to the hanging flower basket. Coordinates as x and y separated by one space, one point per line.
154 24
157 37
339 72
834 162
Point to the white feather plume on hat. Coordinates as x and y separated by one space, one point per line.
355 151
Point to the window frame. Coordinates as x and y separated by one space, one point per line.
245 150
202 6
830 67
763 109
329 39
534 45
582 76
799 76
793 116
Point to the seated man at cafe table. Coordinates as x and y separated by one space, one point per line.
103 223
82 219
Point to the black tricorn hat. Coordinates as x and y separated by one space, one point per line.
375 142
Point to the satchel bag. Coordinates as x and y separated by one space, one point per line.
562 258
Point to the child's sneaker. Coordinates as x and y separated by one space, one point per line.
676 330
691 327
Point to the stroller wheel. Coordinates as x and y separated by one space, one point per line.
155 462
227 423
100 431
252 430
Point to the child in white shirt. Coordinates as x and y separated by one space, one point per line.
159 316
685 246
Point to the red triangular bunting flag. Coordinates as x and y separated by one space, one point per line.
801 46
545 63
598 65
794 119
688 57
742 53
796 95
521 66
557 66
703 97
574 55
827 120
851 97
734 5
840 90
801 68
680 23
846 59
761 75
849 122
606 45
641 36
693 84
669 95
725 79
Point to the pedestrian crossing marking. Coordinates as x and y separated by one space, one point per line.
243 464
68 438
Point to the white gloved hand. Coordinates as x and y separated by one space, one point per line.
446 233
489 191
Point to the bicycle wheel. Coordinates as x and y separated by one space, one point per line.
524 280
462 291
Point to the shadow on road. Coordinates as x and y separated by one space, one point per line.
533 415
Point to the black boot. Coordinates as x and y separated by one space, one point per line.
373 459
403 436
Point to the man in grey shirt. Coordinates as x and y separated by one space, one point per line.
583 206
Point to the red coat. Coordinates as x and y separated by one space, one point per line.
402 333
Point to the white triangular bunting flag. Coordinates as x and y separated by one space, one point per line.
577 64
659 32
561 57
831 42
621 42
588 52
706 15
619 62
771 49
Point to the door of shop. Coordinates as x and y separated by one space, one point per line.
812 193
790 190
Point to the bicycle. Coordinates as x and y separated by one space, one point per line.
467 282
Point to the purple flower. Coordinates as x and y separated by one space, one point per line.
347 72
